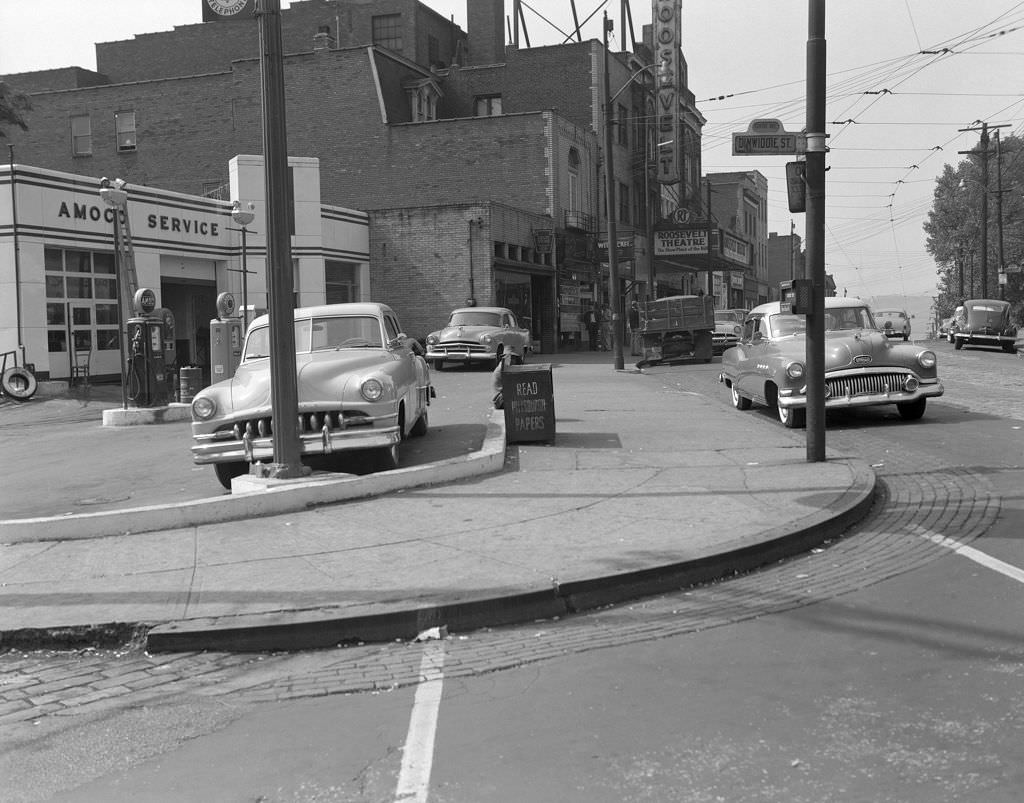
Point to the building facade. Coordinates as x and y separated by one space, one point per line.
59 288
404 111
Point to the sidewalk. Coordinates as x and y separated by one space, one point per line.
647 487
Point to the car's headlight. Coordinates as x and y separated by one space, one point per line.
486 338
927 359
204 408
372 390
432 340
795 370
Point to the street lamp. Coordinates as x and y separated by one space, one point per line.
115 195
243 217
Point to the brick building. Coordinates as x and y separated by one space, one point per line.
482 177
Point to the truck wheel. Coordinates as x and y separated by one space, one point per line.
228 471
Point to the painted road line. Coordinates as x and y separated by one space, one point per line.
996 565
418 753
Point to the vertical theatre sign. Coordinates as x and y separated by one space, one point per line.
667 36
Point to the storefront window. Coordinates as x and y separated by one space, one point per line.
83 290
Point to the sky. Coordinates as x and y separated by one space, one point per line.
904 78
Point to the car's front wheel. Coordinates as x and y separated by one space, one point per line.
738 401
792 418
911 411
419 429
958 343
387 458
228 471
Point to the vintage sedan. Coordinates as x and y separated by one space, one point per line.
986 322
893 322
479 334
362 385
728 327
862 365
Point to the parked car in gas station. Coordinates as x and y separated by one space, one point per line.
362 385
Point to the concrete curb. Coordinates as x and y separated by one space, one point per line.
282 497
324 627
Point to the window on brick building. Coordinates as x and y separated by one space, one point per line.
81 135
624 203
488 105
574 180
422 101
387 31
124 131
621 123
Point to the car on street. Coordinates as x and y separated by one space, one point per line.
893 322
862 365
362 384
728 327
479 335
986 322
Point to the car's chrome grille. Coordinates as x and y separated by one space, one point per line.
309 422
461 346
863 384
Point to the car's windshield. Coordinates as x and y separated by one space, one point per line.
475 319
320 334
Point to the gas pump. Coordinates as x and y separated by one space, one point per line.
147 380
225 339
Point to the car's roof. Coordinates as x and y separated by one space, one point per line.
890 312
986 301
482 309
831 302
320 310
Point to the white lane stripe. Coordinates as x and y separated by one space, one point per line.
418 753
977 556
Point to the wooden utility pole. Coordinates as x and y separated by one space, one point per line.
815 231
983 152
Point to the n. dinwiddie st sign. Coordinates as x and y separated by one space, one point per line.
768 137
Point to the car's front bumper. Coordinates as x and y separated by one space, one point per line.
207 449
854 391
459 353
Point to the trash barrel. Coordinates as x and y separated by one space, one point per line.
529 403
190 381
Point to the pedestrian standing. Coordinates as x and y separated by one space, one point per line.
634 328
606 328
591 322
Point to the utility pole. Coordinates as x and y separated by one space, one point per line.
983 151
284 397
613 238
815 230
999 217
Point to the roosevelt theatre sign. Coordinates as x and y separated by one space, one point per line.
667 35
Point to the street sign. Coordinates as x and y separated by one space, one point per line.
768 137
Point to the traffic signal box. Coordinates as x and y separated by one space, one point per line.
796 295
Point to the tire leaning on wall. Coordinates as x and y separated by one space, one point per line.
19 383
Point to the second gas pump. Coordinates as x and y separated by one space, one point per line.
151 351
225 339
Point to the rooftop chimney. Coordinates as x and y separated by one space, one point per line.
486 31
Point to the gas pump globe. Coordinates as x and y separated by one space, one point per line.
146 375
225 339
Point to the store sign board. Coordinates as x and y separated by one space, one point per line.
680 242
